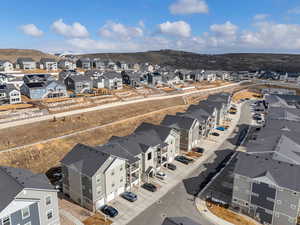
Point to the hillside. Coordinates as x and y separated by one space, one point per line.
188 60
13 54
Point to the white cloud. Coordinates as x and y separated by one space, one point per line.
226 29
188 7
295 10
120 31
76 30
261 16
178 28
142 24
32 30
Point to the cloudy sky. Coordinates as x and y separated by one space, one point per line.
204 26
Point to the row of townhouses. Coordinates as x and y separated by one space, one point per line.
266 177
95 175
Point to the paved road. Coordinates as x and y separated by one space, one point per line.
79 111
178 202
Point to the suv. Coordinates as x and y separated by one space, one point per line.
182 159
199 150
149 187
170 166
129 196
110 211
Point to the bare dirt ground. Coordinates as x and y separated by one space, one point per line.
41 157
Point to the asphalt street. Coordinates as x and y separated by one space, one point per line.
180 201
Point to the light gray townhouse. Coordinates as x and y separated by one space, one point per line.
9 94
267 189
79 83
26 63
99 64
97 78
48 64
6 66
66 64
112 80
27 198
188 128
91 177
84 63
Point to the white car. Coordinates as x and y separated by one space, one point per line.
161 175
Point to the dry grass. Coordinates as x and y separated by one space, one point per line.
245 94
230 216
97 219
14 107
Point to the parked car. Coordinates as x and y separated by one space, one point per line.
215 134
161 175
130 196
221 128
188 159
110 211
182 160
149 187
199 150
170 166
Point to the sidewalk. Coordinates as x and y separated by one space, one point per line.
129 211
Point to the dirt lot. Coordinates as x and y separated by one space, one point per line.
22 135
245 94
41 157
230 216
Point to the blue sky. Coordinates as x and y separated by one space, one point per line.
205 26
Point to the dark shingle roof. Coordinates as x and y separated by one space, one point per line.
266 169
85 159
162 131
14 180
179 221
112 75
178 122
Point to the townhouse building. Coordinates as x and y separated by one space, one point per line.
79 83
9 94
188 128
112 80
26 63
66 64
6 66
48 64
27 198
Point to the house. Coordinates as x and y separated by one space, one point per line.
9 94
188 128
147 68
48 64
10 79
222 101
154 78
27 198
171 79
66 73
179 221
6 66
111 65
97 78
79 83
112 80
66 64
122 65
210 76
91 177
132 79
99 64
134 66
292 77
84 63
39 86
266 189
26 63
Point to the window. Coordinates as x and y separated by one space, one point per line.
121 168
25 213
98 178
6 221
49 214
112 185
112 173
121 180
149 156
48 200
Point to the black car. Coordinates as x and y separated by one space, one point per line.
130 196
188 159
182 159
149 187
110 211
215 134
199 150
170 166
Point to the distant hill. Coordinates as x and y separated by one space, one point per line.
188 60
13 54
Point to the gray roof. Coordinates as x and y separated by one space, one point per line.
222 97
265 169
195 113
7 88
47 60
178 122
278 113
162 131
179 221
80 78
25 60
14 180
85 159
112 75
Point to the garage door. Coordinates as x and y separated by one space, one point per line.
120 190
99 203
111 196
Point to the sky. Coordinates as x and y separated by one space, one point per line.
203 26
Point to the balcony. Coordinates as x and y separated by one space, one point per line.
134 167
